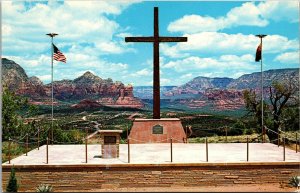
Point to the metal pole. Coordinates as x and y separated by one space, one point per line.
283 148
261 36
86 141
206 144
52 35
262 91
247 148
128 144
47 150
38 138
26 144
9 144
171 141
52 88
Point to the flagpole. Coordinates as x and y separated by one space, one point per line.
52 35
261 36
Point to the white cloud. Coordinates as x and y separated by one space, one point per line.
248 14
86 23
165 81
196 23
140 73
110 47
222 43
45 78
28 62
224 62
280 10
186 76
288 58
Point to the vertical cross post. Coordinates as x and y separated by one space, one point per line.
156 83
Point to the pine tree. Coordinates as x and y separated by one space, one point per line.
12 185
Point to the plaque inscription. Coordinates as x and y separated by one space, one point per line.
110 139
157 129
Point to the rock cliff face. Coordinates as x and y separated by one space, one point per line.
226 93
125 99
200 84
86 103
252 81
13 75
246 81
87 86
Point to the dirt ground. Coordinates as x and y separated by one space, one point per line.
235 188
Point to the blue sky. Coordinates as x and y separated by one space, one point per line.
221 41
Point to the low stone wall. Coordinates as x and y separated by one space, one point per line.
93 177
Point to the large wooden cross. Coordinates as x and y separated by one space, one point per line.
156 39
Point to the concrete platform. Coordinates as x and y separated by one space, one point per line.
159 154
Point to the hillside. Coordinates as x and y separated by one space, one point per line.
251 81
87 86
200 84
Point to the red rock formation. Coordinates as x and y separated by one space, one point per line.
87 103
125 99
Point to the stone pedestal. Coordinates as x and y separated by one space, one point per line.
110 140
157 131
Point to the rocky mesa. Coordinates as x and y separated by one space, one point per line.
88 86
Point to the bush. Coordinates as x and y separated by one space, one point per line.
295 181
12 185
44 188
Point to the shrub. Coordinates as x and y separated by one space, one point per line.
295 181
12 185
44 188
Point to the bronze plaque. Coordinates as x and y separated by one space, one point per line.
110 139
157 129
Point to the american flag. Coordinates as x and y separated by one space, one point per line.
57 55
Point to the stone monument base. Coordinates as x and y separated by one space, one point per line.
157 131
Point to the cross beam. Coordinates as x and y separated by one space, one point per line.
156 39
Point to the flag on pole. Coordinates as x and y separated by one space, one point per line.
258 53
57 55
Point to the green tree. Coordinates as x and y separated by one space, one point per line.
11 122
253 105
282 96
281 99
13 108
12 185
